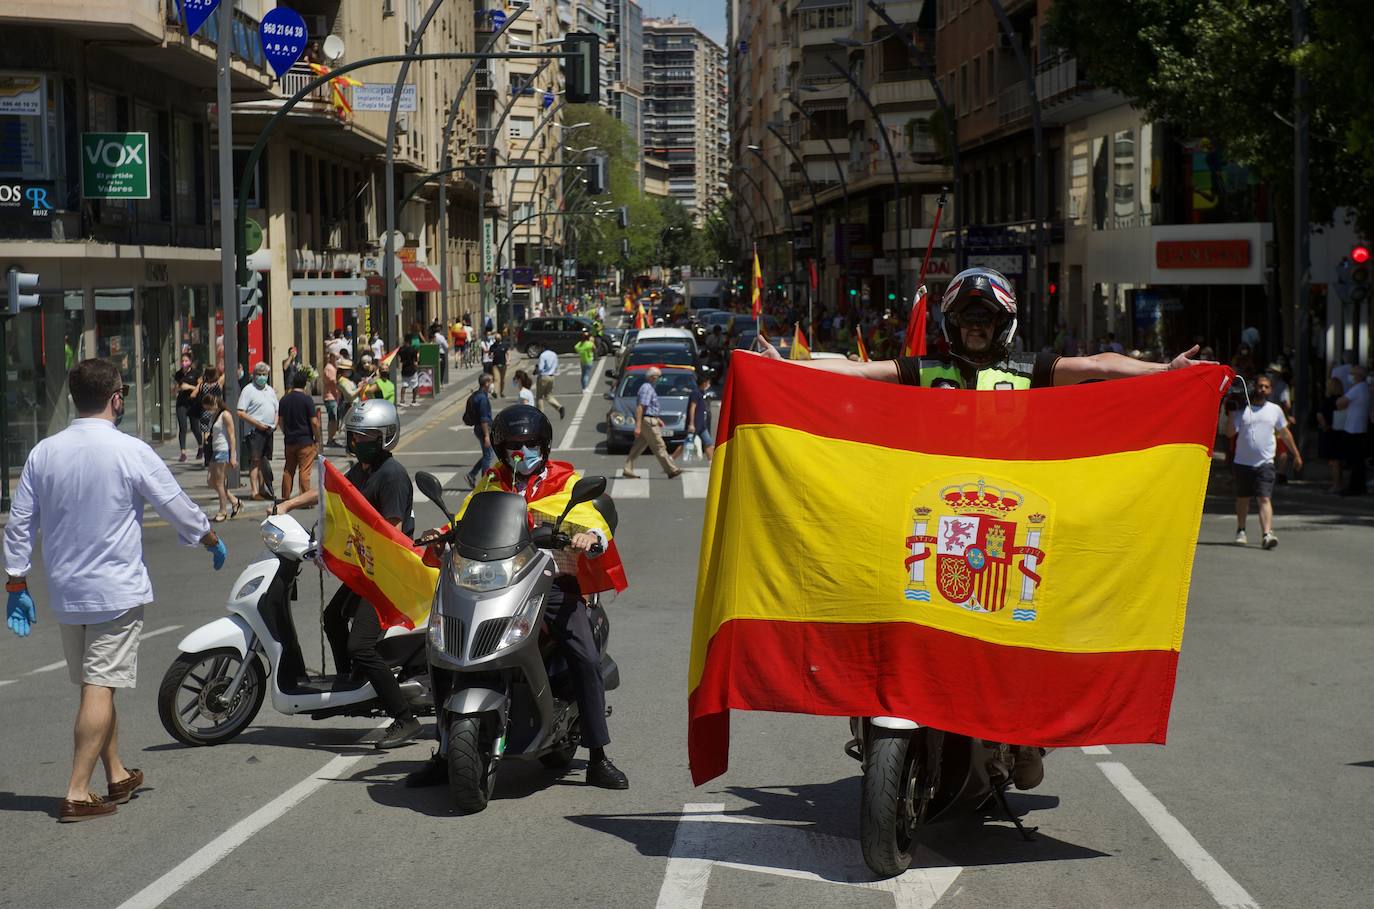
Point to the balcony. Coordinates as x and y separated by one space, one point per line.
1013 104
111 20
1065 93
913 90
816 148
191 59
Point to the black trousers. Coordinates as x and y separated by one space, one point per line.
354 644
187 419
570 626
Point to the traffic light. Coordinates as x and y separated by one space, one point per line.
891 297
1359 274
18 281
622 217
582 68
250 297
597 177
625 247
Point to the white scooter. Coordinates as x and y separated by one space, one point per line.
213 690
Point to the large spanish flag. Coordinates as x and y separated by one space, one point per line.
371 556
1011 565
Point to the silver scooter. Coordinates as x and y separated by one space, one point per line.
214 688
500 688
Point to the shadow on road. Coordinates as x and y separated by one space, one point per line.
43 804
515 780
310 738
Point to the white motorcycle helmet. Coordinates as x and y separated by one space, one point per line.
375 415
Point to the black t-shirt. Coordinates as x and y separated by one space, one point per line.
409 356
387 488
188 377
1040 368
294 415
498 353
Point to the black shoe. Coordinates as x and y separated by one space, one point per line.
606 775
434 772
561 412
401 730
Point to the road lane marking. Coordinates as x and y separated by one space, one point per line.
706 837
443 476
205 858
695 481
1096 749
1223 888
4 682
48 668
165 629
625 488
587 397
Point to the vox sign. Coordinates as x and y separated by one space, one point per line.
114 165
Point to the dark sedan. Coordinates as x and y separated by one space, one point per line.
674 389
657 353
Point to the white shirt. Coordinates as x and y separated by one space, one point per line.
441 341
526 397
260 404
548 363
85 489
1255 427
378 348
1357 414
1342 374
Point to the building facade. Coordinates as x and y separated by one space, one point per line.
685 109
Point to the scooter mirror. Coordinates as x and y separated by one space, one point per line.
432 489
587 488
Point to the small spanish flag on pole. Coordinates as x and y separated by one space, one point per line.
914 345
641 320
800 349
756 294
859 342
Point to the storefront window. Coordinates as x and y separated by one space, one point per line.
27 117
40 346
160 356
193 319
1078 184
114 337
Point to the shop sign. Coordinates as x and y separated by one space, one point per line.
26 199
472 277
1202 254
114 165
376 96
376 287
155 272
407 254
21 95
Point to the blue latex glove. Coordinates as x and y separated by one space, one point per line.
220 553
21 613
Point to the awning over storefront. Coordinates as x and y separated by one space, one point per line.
419 279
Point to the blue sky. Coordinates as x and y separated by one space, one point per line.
707 15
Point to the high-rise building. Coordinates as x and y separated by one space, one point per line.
627 67
685 103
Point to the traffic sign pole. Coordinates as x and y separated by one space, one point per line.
229 295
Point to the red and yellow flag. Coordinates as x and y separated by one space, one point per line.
756 291
371 556
859 342
1013 574
800 349
914 344
641 318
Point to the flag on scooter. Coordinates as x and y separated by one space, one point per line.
1010 565
546 501
914 345
371 556
800 349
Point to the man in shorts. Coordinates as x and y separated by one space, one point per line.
84 488
1254 426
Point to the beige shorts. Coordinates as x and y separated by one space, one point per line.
106 653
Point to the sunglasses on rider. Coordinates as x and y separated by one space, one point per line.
978 317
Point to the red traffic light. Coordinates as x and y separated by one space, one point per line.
1359 254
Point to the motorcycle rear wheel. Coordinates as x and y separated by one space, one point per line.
470 773
885 796
184 696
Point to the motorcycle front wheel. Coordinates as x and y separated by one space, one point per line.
470 773
886 802
191 703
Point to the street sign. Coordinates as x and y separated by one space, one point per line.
252 236
337 301
328 293
283 35
498 19
196 12
472 277
114 165
376 96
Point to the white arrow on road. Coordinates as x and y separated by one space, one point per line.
707 836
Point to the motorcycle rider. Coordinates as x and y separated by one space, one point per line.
351 623
522 438
979 321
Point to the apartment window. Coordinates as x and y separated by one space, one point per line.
977 82
28 121
832 17
991 79
963 89
1078 183
521 127
1102 150
189 179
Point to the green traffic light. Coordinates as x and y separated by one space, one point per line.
853 292
891 295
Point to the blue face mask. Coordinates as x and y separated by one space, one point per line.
260 381
528 460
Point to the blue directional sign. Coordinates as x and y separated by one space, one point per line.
196 12
498 19
283 35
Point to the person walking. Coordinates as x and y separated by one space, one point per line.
699 417
649 430
1254 428
258 409
186 383
409 355
499 354
586 352
1355 404
486 361
211 380
437 338
480 407
330 388
84 489
545 369
524 387
223 452
1329 431
300 426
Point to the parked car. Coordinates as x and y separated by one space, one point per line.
559 333
674 391
657 353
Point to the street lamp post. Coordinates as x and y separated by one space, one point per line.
815 214
892 159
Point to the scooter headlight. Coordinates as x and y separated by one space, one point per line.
478 575
523 623
436 630
272 535
249 587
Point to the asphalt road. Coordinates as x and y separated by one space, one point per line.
1262 797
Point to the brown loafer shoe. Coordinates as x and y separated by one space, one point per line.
120 792
93 806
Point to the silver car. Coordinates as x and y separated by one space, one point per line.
674 391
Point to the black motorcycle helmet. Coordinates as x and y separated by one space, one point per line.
518 425
979 293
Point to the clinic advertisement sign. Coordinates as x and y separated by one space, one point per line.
114 165
376 96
